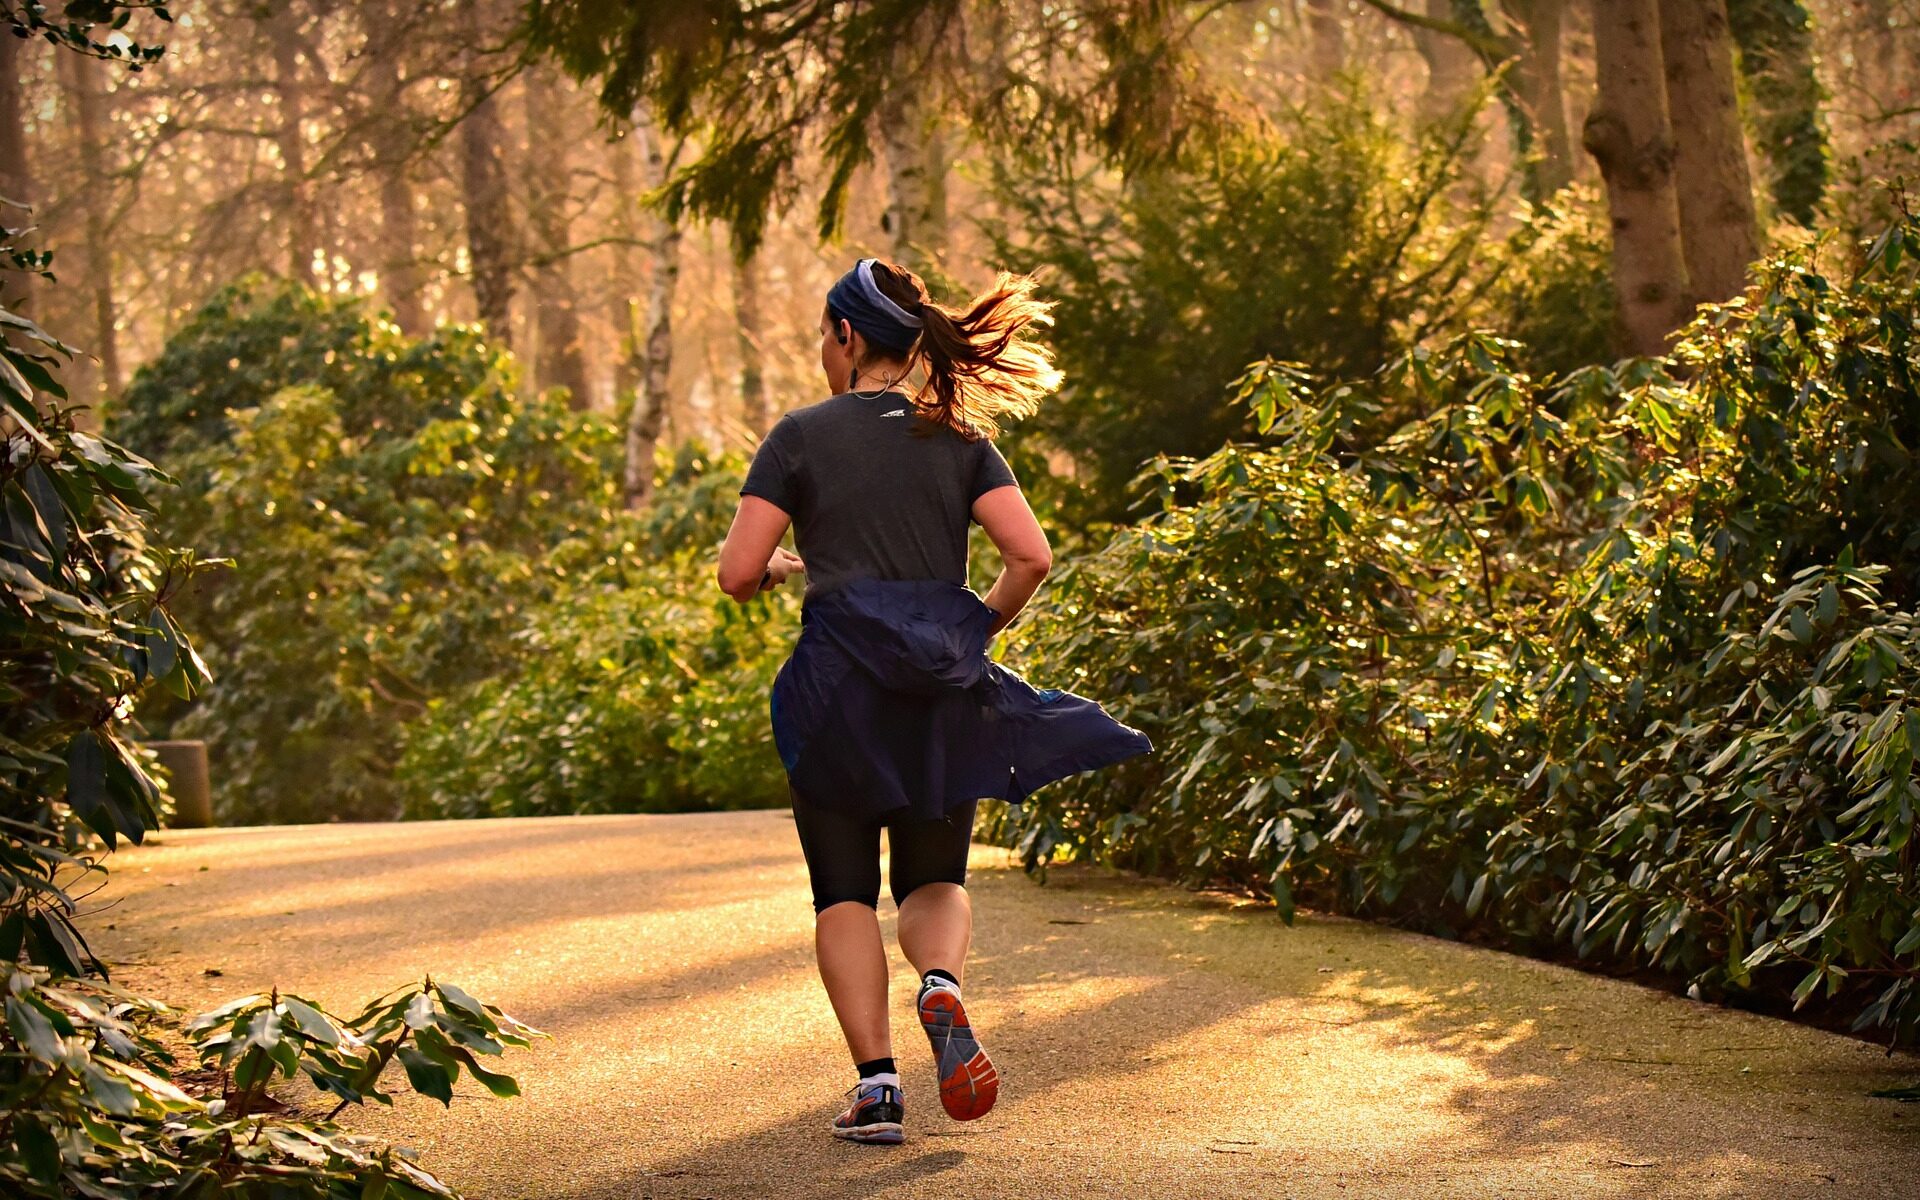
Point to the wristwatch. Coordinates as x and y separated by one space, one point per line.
766 577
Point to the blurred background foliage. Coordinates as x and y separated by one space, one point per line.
427 563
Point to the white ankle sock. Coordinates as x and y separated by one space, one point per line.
927 981
891 1078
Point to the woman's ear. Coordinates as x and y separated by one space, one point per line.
843 331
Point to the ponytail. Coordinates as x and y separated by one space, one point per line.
980 369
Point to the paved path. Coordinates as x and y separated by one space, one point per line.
1152 1042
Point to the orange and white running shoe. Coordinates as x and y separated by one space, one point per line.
968 1082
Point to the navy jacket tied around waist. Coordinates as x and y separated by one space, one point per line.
889 702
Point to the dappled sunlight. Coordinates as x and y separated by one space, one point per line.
289 848
1444 462
674 963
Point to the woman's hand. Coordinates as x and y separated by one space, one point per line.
781 566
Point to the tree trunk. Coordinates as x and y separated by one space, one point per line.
656 356
1541 90
1451 65
916 217
283 34
489 223
393 147
1631 137
83 94
622 312
1776 57
1329 39
16 172
17 192
754 409
560 359
1717 227
1877 48
933 207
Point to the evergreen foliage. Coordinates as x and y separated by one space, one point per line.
87 608
765 87
1328 237
88 1106
1783 100
394 512
1618 662
640 688
1330 243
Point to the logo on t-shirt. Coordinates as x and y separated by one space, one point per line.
898 412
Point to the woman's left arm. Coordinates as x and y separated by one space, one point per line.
751 556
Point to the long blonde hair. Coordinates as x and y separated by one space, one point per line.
980 369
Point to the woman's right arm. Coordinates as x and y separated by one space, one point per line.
1025 555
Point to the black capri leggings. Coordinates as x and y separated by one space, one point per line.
843 853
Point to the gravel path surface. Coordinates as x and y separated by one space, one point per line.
1152 1042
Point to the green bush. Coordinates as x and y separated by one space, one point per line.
1332 236
1618 661
1555 294
89 1106
87 611
261 334
438 605
640 688
86 1104
392 509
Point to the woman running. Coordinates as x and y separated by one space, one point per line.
889 712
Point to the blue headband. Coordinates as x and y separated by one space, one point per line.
858 300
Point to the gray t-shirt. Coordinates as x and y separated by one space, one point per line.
875 491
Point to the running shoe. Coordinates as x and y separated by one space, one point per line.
968 1082
873 1116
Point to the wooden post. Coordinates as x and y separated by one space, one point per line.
186 764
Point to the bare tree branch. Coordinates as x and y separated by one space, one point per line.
1492 48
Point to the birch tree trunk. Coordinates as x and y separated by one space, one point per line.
626 229
82 90
1630 135
1878 50
1329 39
1718 230
656 353
556 307
916 217
914 183
1450 65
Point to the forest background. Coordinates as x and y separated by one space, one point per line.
1464 570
